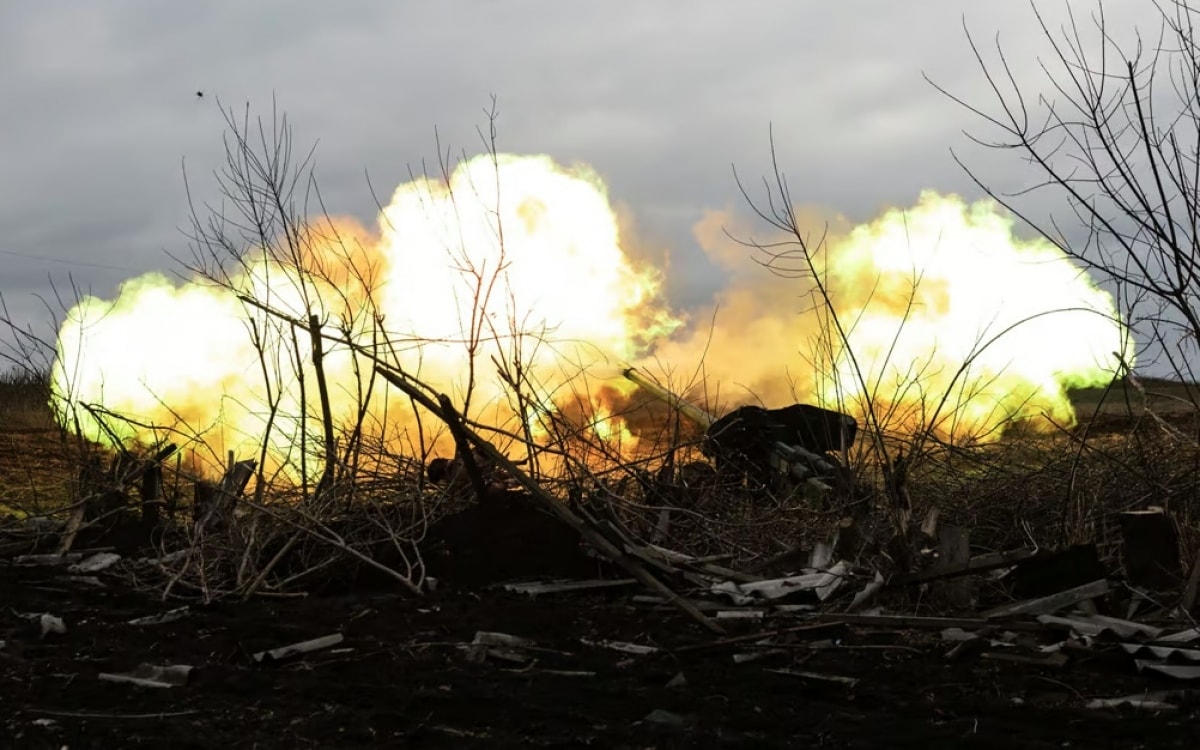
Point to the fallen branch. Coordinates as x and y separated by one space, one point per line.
552 504
93 715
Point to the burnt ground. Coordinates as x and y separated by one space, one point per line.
401 678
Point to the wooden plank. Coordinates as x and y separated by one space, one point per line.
538 588
921 623
977 564
1049 604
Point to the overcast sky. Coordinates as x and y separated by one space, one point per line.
98 106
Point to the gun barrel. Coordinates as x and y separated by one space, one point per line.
688 409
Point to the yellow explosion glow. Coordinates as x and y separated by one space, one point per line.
521 256
951 323
526 258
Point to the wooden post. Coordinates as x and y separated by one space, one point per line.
1150 549
152 489
954 551
219 499
151 492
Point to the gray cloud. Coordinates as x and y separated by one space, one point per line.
661 98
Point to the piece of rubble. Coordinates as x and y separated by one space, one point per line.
749 656
1155 701
303 647
95 563
171 615
1053 659
1178 671
1052 603
86 581
740 614
52 624
622 646
42 524
1183 636
792 608
150 675
69 558
504 646
665 719
488 638
1162 652
537 588
498 646
167 559
847 681
822 583
47 623
868 592
1127 628
677 682
1093 625
957 635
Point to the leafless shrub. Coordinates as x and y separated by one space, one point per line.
1110 133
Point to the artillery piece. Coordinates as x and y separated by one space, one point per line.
762 445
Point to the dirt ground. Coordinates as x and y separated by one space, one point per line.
402 678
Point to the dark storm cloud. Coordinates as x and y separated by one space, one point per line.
99 106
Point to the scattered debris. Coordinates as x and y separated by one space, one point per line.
1155 701
95 563
149 675
821 583
1052 603
1054 659
68 558
741 614
1178 671
47 623
171 615
538 588
665 719
627 648
509 648
498 646
847 681
52 624
303 647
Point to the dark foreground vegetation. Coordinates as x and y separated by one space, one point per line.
611 667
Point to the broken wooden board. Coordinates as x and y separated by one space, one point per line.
978 564
1049 604
537 588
